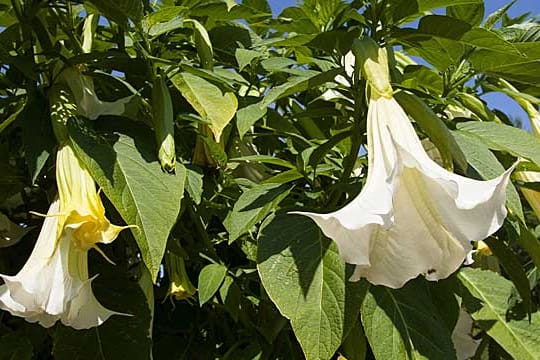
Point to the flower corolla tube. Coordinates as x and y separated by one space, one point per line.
412 216
54 283
88 103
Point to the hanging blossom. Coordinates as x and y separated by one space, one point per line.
88 103
54 283
412 216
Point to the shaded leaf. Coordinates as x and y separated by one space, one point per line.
210 279
506 138
215 107
126 167
486 299
396 323
253 206
306 279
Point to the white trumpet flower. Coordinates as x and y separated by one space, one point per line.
88 103
412 217
54 284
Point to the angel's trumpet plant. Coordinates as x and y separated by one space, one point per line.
54 283
412 216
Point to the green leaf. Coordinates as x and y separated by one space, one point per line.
210 279
38 135
231 297
244 57
355 344
487 166
486 299
299 84
453 29
12 117
203 44
120 10
513 268
323 149
530 243
422 78
306 279
523 67
434 128
15 347
247 116
207 99
11 233
253 206
404 9
284 177
194 183
494 17
396 323
266 159
120 337
126 167
471 13
506 138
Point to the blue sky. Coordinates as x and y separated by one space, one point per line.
497 100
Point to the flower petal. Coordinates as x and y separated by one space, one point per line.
85 311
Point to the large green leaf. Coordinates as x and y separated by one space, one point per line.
38 135
487 166
404 324
247 116
120 10
408 10
126 167
298 84
523 67
445 27
210 279
470 13
486 298
207 99
120 337
304 276
513 268
253 206
505 138
15 347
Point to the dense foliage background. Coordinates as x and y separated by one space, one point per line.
266 120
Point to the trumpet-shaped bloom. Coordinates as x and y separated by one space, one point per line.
54 284
412 217
88 103
180 286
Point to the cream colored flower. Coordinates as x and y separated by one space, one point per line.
180 286
412 216
88 103
54 284
464 343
